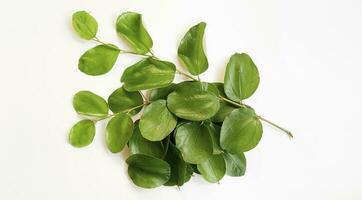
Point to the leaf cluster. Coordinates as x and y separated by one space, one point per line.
184 128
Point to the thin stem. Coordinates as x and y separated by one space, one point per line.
198 78
125 111
277 126
144 97
231 102
120 50
186 75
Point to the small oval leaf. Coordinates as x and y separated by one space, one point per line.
194 101
213 169
121 100
235 164
241 77
82 133
241 131
147 171
118 131
130 26
148 73
85 25
157 122
194 142
139 145
89 104
98 60
191 51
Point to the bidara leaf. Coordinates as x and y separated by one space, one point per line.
85 25
194 142
121 100
149 73
241 131
89 104
82 133
241 77
179 173
191 51
157 122
130 26
118 131
98 60
214 131
139 145
194 101
147 171
213 169
235 164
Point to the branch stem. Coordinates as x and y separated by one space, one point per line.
276 126
186 75
125 111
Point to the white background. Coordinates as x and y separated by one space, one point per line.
309 55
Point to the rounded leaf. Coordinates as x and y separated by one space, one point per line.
129 25
235 164
241 131
157 122
161 93
85 25
121 100
214 131
241 77
194 142
194 101
179 172
89 104
147 171
139 145
98 60
118 131
213 169
191 50
148 73
82 133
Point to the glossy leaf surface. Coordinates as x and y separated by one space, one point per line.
213 169
89 104
82 133
118 131
121 100
85 25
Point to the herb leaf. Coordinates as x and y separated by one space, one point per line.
119 131
178 167
129 25
121 100
89 104
241 77
191 51
235 164
85 25
213 169
98 60
82 133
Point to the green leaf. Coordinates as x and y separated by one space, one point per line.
157 122
225 108
118 131
84 24
98 60
148 73
89 104
161 93
121 100
189 172
147 171
214 131
241 77
241 131
139 145
178 167
130 26
235 164
194 101
213 169
194 142
191 51
82 133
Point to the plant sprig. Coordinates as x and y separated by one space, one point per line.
185 128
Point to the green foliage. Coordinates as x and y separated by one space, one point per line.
130 26
85 25
185 128
191 51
